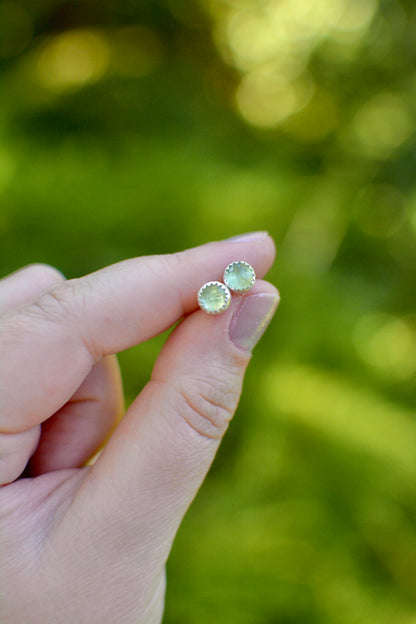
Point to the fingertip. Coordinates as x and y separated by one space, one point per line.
257 248
263 286
252 316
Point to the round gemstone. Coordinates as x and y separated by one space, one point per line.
239 276
214 297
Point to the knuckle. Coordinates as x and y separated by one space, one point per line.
177 260
55 303
66 304
208 406
173 264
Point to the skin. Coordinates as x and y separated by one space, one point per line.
88 543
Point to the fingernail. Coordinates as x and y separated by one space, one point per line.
251 319
249 236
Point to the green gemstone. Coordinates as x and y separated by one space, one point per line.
239 276
214 297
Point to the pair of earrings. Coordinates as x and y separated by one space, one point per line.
215 297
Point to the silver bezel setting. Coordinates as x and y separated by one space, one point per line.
224 289
245 264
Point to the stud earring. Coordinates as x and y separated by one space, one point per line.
239 276
214 297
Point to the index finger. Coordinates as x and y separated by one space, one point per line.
48 347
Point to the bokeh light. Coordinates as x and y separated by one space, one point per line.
271 43
387 343
73 59
266 99
382 125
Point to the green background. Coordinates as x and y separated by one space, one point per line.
138 127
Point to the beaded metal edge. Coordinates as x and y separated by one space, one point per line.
253 276
226 293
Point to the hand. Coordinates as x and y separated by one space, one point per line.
88 543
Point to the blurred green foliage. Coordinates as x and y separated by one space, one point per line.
138 127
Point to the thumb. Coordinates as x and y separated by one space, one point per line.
163 448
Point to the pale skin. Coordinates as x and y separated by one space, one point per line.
88 543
